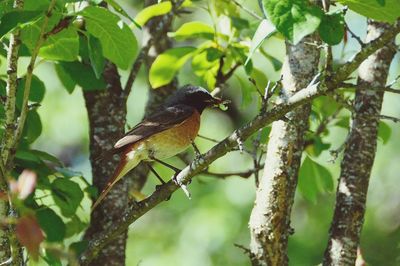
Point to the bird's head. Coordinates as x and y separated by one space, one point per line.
194 96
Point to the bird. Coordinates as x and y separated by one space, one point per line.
170 130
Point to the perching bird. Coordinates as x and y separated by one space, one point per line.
167 132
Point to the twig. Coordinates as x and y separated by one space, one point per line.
386 89
353 35
244 174
315 89
136 67
12 75
250 12
394 119
27 88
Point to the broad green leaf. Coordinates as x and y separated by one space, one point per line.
65 78
83 75
67 195
6 6
75 226
240 23
63 46
295 19
317 147
36 93
344 122
96 57
51 224
260 78
79 247
193 29
27 155
247 92
386 11
384 132
33 126
118 43
47 157
331 28
120 10
264 30
276 63
15 19
152 11
164 68
206 65
30 33
314 178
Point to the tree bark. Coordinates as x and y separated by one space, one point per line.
270 218
107 115
359 154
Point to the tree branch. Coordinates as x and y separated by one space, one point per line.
138 209
359 154
27 87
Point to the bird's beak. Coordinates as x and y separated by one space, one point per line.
215 101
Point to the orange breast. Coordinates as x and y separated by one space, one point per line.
174 140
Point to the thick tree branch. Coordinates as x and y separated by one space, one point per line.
359 154
137 209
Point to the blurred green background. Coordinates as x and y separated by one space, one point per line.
202 231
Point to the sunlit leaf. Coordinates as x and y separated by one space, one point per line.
295 19
118 43
384 132
63 46
386 11
193 29
164 68
96 57
152 11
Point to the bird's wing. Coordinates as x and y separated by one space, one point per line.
160 121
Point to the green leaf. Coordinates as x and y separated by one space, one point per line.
264 30
384 132
27 155
96 57
79 247
83 75
314 178
31 32
277 64
33 126
295 19
164 68
247 92
75 226
67 195
343 122
118 43
47 157
152 11
331 28
193 29
66 80
240 23
63 46
120 10
15 19
206 65
36 93
317 147
68 173
51 224
386 11
92 191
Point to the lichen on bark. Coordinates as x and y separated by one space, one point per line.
359 154
270 218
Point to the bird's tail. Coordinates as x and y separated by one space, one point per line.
123 168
